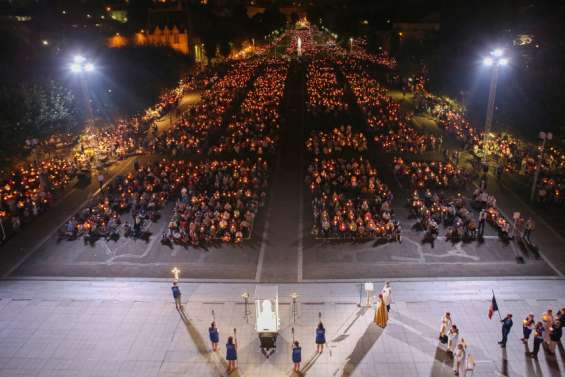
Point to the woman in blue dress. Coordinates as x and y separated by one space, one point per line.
320 337
214 336
296 356
231 354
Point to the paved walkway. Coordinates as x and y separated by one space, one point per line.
131 328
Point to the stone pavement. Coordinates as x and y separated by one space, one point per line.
131 328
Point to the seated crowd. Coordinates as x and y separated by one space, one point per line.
254 128
350 201
189 133
29 189
383 114
216 200
338 140
324 95
432 174
143 192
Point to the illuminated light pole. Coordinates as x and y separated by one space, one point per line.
544 137
351 44
80 66
494 61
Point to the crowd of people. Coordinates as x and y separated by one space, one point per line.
430 174
324 95
189 133
336 142
392 127
349 200
30 188
216 200
142 193
511 154
254 128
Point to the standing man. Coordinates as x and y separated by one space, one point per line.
482 221
177 295
100 180
506 326
529 228
387 295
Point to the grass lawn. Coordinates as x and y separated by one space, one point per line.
425 124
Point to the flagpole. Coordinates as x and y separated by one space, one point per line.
498 309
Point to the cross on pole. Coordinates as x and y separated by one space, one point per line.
176 272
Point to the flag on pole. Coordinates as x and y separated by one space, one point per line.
493 307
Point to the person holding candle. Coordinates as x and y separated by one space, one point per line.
527 327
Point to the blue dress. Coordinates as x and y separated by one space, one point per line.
214 335
231 352
320 336
296 355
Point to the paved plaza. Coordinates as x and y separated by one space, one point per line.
131 328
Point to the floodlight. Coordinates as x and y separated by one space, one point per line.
79 59
76 68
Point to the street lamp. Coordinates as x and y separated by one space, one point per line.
80 66
495 60
544 138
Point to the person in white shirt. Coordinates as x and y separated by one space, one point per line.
460 361
387 295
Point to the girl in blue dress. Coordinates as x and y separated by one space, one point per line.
231 354
320 337
296 356
214 336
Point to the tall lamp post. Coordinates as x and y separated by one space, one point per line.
544 136
495 61
80 66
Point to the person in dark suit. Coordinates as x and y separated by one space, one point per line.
320 338
214 336
296 356
506 326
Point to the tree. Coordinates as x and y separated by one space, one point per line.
34 111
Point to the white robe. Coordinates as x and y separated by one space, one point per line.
387 295
460 362
453 340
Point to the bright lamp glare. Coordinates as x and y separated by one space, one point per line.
488 61
498 52
79 59
89 67
503 62
76 68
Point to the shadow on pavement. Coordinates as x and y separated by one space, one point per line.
309 364
213 358
364 344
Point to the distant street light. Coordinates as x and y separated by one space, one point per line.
495 60
544 137
79 65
